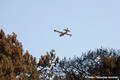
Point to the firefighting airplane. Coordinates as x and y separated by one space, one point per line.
63 33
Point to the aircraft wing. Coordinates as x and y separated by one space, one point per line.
58 31
66 30
69 34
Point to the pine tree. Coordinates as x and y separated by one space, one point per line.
14 65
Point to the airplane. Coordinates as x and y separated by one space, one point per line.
63 33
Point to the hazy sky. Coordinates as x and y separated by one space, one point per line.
93 23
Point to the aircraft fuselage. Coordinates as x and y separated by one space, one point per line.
63 33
